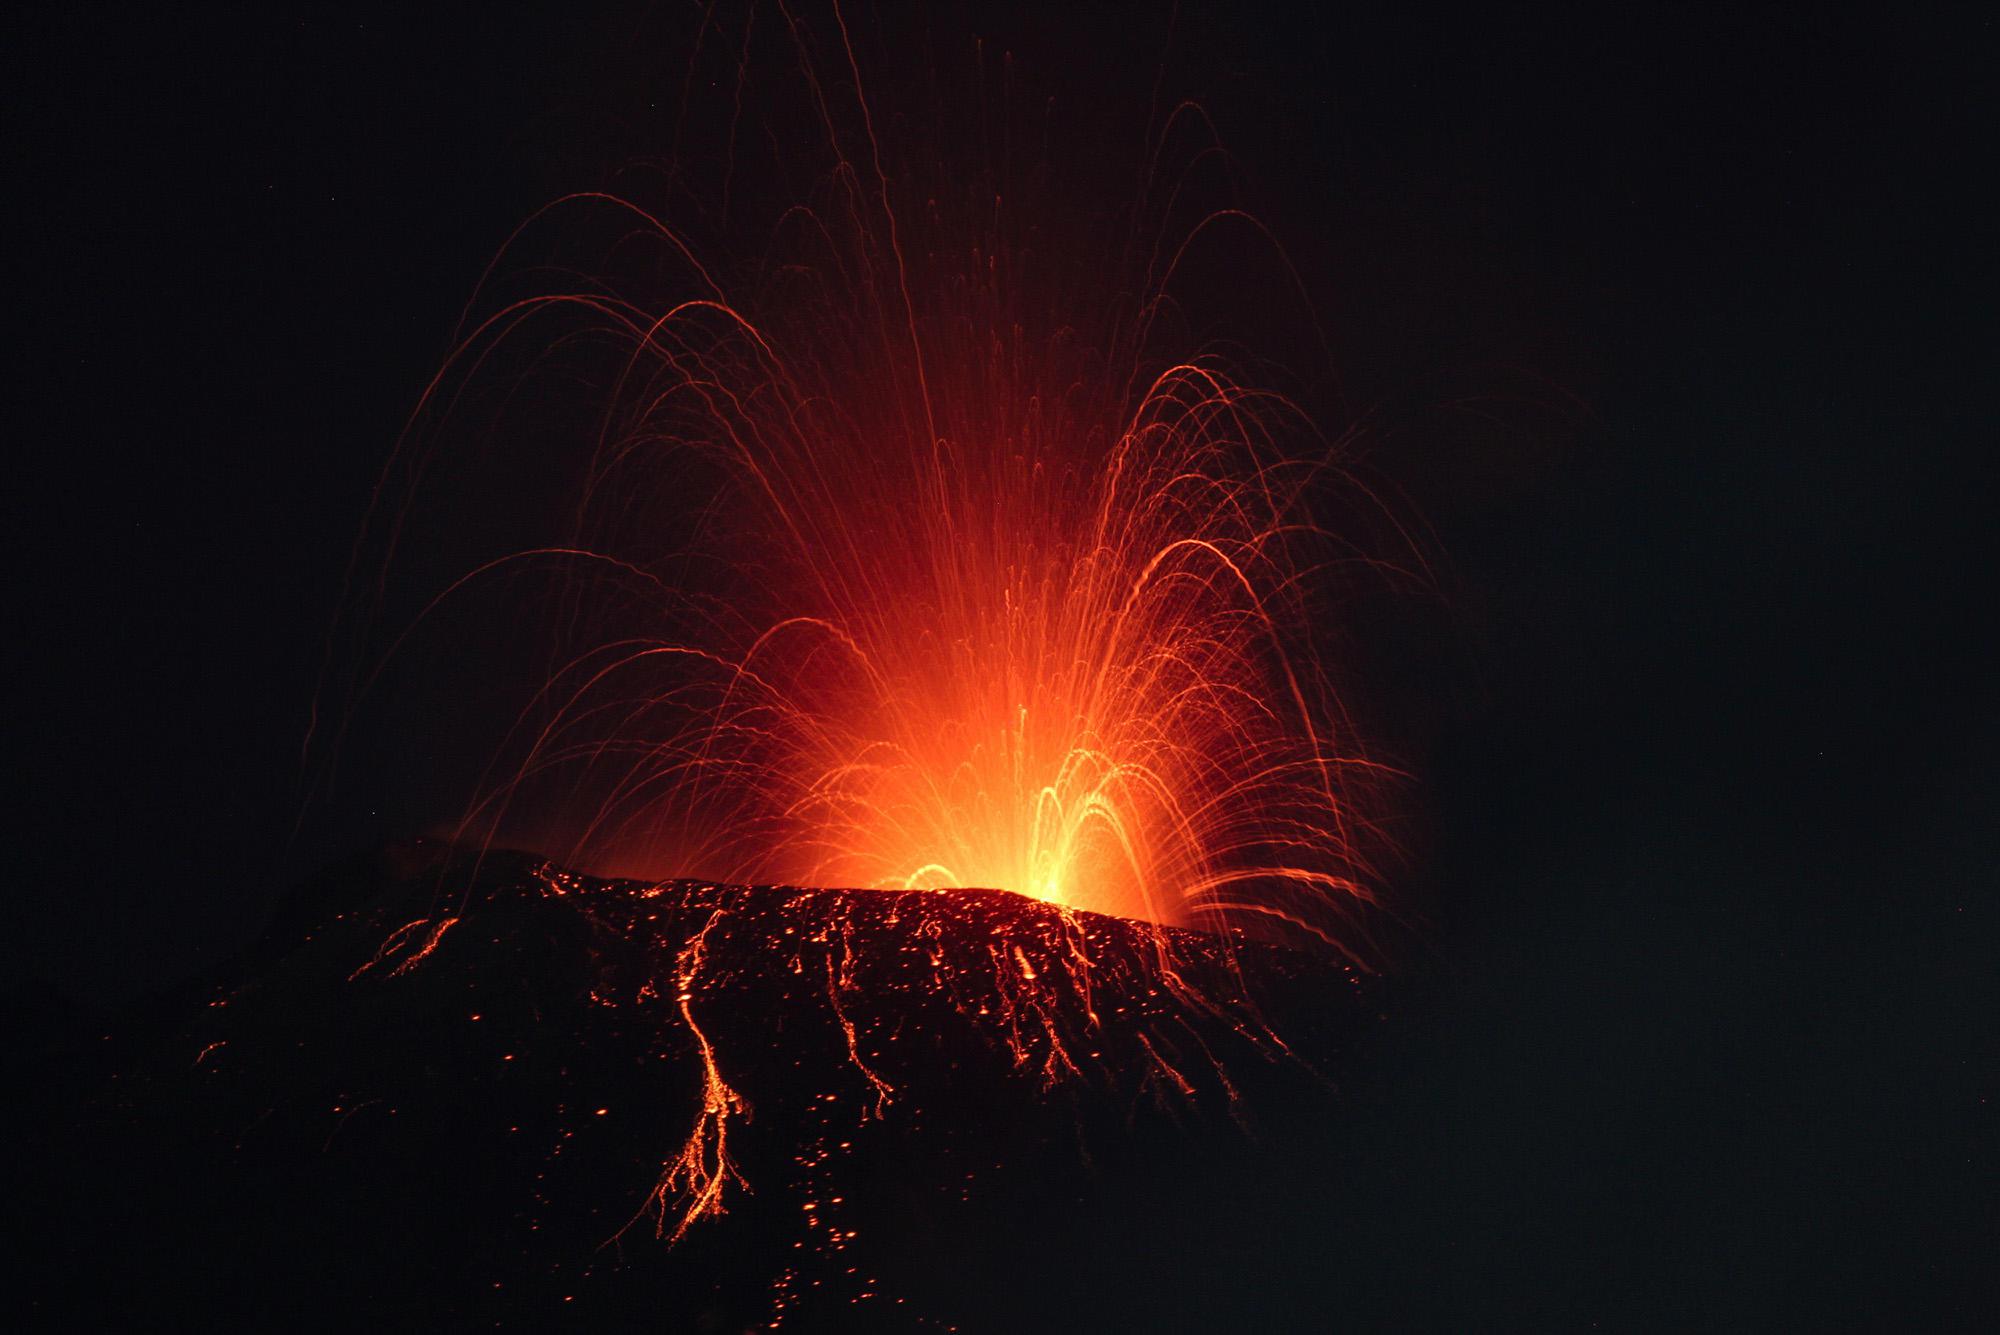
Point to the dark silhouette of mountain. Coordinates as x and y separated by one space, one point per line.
451 1091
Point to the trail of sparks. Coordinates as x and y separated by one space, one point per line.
836 979
398 943
695 1180
925 567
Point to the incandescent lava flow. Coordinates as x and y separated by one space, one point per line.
564 1098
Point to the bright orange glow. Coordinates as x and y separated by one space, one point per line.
925 555
1061 646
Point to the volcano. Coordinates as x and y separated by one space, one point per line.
451 1089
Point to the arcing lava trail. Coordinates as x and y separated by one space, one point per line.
925 546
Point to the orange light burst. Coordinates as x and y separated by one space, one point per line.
919 559
975 613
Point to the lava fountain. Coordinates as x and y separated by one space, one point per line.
919 566
925 552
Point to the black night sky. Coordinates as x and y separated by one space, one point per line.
1681 326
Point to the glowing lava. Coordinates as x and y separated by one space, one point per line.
817 1091
923 567
901 987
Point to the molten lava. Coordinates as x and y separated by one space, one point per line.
1065 995
775 1074
894 577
